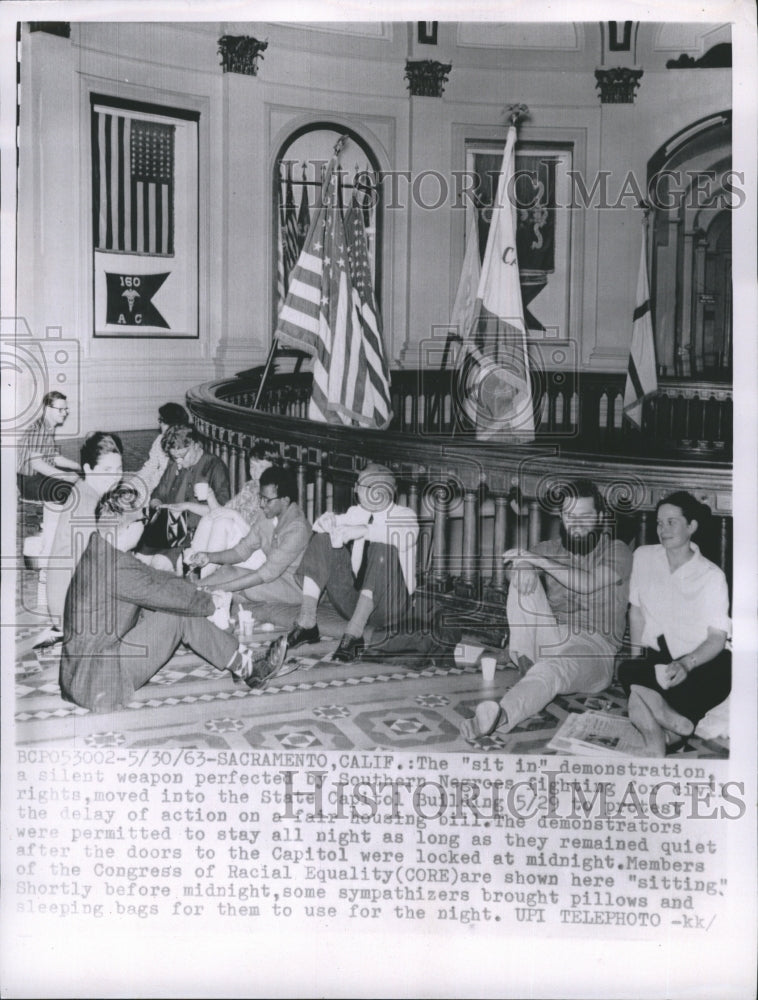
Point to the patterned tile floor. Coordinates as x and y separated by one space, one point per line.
319 705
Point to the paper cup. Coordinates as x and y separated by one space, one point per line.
488 664
201 491
246 623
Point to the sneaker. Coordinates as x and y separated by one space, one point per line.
267 668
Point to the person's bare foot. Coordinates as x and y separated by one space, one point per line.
662 712
487 718
652 741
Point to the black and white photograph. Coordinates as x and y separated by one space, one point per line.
379 528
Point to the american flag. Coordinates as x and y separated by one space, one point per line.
132 184
494 362
281 278
373 388
331 314
289 229
304 215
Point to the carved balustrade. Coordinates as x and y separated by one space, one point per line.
473 499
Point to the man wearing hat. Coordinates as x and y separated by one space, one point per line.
365 559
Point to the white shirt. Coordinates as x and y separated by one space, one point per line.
681 605
148 477
395 525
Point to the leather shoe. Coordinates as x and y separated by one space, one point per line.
298 636
349 649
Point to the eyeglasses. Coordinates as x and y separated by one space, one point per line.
60 409
267 500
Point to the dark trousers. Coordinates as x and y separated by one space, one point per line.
701 690
45 489
380 573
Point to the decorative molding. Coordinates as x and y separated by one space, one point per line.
60 28
618 85
619 36
717 57
427 32
426 77
240 53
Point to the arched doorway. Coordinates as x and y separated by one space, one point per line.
299 169
692 192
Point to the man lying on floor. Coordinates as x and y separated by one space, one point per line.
123 620
566 610
365 559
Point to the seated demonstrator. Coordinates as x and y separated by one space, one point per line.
123 620
263 564
566 611
225 526
101 456
369 581
42 472
189 465
149 475
678 626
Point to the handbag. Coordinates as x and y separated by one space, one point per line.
165 530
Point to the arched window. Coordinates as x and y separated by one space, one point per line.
692 190
298 175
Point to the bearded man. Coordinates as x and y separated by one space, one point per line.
566 609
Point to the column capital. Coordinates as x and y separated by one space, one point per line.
240 53
618 84
426 77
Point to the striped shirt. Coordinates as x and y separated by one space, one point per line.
37 442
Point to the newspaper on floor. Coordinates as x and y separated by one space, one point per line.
587 733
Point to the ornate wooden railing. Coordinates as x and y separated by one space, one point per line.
473 499
684 418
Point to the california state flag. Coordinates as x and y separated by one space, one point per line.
496 382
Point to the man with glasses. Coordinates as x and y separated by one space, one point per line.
262 566
42 472
189 468
45 477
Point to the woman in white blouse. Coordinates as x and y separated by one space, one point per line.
679 626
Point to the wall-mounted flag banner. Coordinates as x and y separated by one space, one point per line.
133 184
130 299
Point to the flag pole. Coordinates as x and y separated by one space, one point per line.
338 147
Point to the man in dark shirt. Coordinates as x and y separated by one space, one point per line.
123 621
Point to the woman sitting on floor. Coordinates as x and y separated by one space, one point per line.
225 526
147 478
190 476
101 458
679 624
